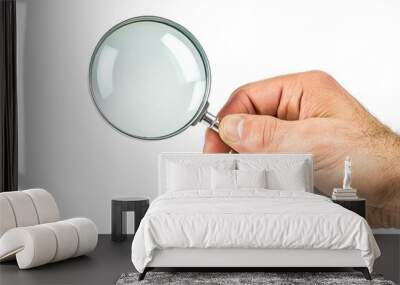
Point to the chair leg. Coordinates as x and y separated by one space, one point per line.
364 271
142 275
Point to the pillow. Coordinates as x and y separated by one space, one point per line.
187 177
293 179
282 174
223 179
251 178
188 174
236 179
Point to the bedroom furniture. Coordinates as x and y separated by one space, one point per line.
357 206
32 233
286 225
119 207
101 266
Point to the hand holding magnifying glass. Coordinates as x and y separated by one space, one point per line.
150 79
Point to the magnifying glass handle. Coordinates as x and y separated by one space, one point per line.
210 121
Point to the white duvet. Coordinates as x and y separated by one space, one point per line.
250 219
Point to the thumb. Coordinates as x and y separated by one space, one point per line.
259 133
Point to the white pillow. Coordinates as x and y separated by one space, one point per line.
237 179
188 174
282 174
293 179
187 177
223 179
251 178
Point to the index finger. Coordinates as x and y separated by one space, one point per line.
261 97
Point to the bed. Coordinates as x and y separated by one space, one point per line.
247 211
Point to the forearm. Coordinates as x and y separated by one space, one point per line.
385 217
387 214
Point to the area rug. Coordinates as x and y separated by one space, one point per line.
269 278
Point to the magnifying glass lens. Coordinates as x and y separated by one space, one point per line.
148 79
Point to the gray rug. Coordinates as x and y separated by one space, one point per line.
230 278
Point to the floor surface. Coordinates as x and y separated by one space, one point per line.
110 259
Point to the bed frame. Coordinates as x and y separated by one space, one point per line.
363 270
234 259
249 259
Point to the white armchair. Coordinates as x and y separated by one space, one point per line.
31 230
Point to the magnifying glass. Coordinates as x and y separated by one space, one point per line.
150 78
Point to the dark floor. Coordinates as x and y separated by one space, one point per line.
111 259
103 266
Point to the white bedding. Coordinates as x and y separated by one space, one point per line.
250 218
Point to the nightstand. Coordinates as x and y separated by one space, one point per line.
357 205
119 207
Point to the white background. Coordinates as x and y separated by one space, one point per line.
66 146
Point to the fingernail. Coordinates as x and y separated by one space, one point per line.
232 128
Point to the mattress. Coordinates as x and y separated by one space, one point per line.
251 219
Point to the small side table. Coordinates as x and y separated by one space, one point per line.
119 207
357 205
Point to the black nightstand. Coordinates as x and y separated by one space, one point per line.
357 206
119 207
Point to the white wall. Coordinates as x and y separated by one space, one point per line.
67 148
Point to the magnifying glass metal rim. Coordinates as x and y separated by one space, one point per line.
201 113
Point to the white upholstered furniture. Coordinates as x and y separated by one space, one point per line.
195 224
32 233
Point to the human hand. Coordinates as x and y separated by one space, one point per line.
311 113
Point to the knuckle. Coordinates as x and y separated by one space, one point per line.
243 102
235 104
259 133
269 131
321 75
239 93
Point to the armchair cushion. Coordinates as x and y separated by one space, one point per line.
40 244
24 211
45 205
7 220
31 230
